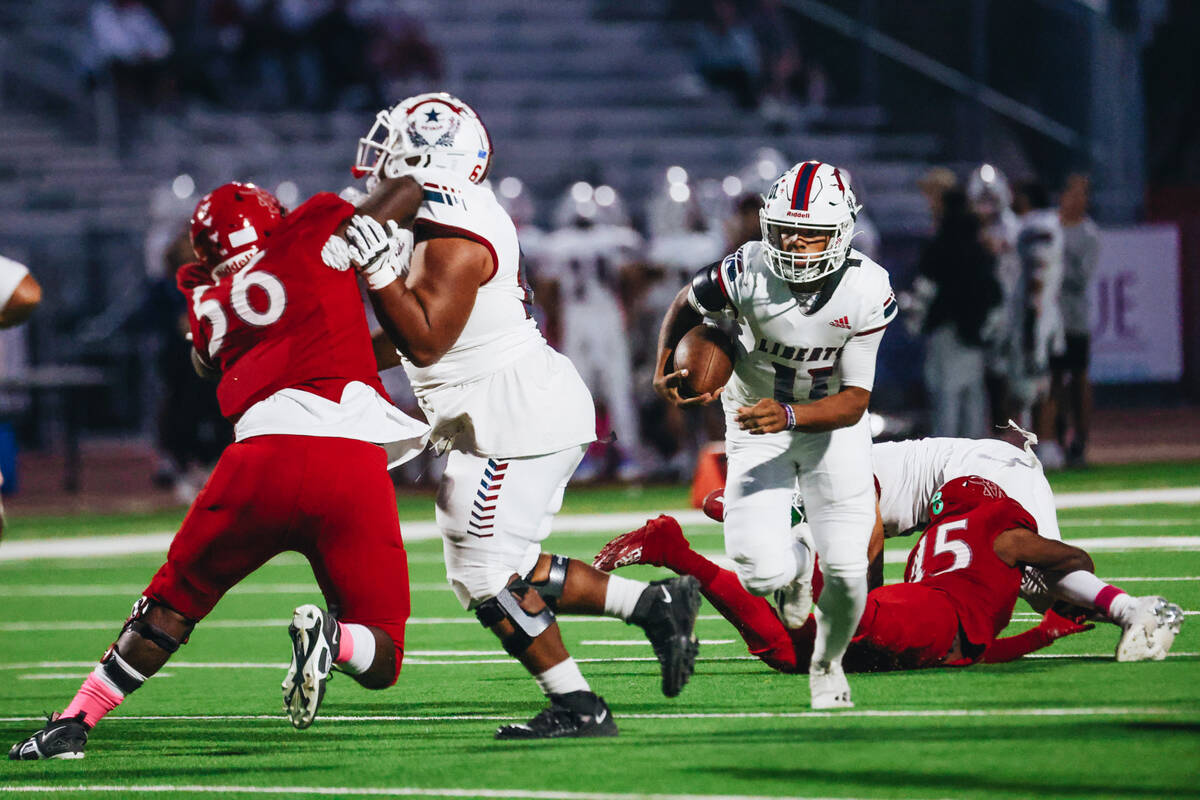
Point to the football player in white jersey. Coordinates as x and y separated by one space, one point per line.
811 313
908 473
20 294
991 199
579 271
513 413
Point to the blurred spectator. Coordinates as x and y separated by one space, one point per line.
129 48
990 199
674 256
579 288
933 185
1070 390
866 236
400 53
743 224
727 53
191 431
1040 327
961 284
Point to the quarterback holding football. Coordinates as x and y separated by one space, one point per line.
810 312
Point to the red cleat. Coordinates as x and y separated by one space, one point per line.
649 544
714 505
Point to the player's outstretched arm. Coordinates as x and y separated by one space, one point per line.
680 319
25 298
1023 547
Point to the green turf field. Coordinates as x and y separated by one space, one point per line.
1069 723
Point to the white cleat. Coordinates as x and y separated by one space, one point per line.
795 601
314 635
829 687
1152 631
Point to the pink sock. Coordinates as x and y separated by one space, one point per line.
95 698
345 644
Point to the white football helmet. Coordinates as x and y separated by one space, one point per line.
988 192
426 130
809 199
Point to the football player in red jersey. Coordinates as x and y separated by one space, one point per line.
280 320
959 590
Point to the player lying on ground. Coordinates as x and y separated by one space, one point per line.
960 586
908 473
514 414
287 335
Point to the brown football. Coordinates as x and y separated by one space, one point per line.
707 354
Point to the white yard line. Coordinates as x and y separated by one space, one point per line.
433 658
94 625
1100 711
564 525
393 791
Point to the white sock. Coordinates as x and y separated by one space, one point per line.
562 678
838 611
362 653
1084 589
621 596
1121 609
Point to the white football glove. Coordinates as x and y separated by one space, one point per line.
378 257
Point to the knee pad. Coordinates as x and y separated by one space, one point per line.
139 623
521 604
552 588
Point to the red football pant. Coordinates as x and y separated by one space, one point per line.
904 626
326 498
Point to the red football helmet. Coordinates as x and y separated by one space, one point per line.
230 223
962 494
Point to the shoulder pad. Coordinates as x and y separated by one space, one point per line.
706 293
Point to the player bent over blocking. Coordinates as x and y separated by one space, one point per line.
810 313
514 414
960 586
285 330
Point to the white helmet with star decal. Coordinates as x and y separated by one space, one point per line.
809 200
426 130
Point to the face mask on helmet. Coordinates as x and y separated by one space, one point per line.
231 223
433 130
963 494
807 222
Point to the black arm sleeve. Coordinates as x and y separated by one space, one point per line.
706 294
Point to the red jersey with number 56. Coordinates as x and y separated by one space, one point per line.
287 320
956 555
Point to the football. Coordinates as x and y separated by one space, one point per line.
707 354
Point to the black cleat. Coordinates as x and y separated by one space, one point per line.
315 635
666 611
61 738
574 714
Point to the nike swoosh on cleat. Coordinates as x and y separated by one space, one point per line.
603 715
666 594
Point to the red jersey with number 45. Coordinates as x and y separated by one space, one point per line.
287 320
956 555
